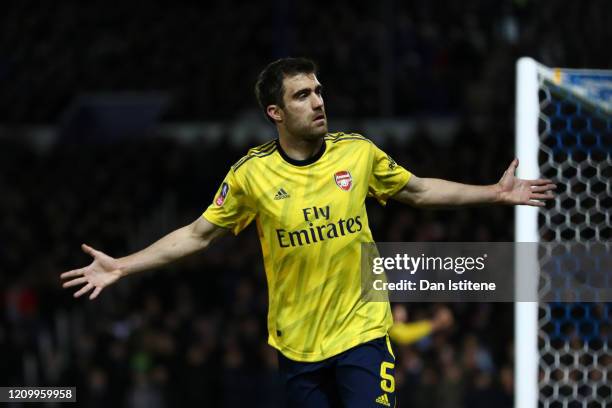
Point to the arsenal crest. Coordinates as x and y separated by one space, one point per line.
344 180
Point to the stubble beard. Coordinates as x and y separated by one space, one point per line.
316 133
309 132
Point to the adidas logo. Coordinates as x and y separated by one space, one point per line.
383 400
281 194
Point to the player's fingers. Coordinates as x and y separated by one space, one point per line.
88 250
74 282
541 182
535 203
83 290
546 187
71 274
95 293
513 165
540 196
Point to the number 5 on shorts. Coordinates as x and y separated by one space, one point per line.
388 381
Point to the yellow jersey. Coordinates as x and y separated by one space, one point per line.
408 333
311 220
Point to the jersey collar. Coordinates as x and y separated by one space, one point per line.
305 162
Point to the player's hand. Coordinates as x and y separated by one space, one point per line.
102 272
443 319
400 314
516 191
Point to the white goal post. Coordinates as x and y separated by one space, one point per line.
564 132
526 230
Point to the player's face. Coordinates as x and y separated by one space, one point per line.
304 111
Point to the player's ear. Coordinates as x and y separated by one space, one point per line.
275 112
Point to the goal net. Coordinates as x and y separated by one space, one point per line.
564 132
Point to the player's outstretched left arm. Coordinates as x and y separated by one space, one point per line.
510 190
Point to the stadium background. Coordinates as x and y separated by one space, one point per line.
195 333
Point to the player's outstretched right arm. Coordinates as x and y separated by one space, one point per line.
105 270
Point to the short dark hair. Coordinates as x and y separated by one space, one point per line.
269 87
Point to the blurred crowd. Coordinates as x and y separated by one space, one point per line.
195 333
392 58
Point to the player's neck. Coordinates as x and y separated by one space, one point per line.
299 148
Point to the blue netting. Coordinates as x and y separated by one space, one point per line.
575 152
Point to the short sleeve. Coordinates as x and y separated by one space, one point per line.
387 177
231 207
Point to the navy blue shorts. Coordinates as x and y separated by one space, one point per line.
359 377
